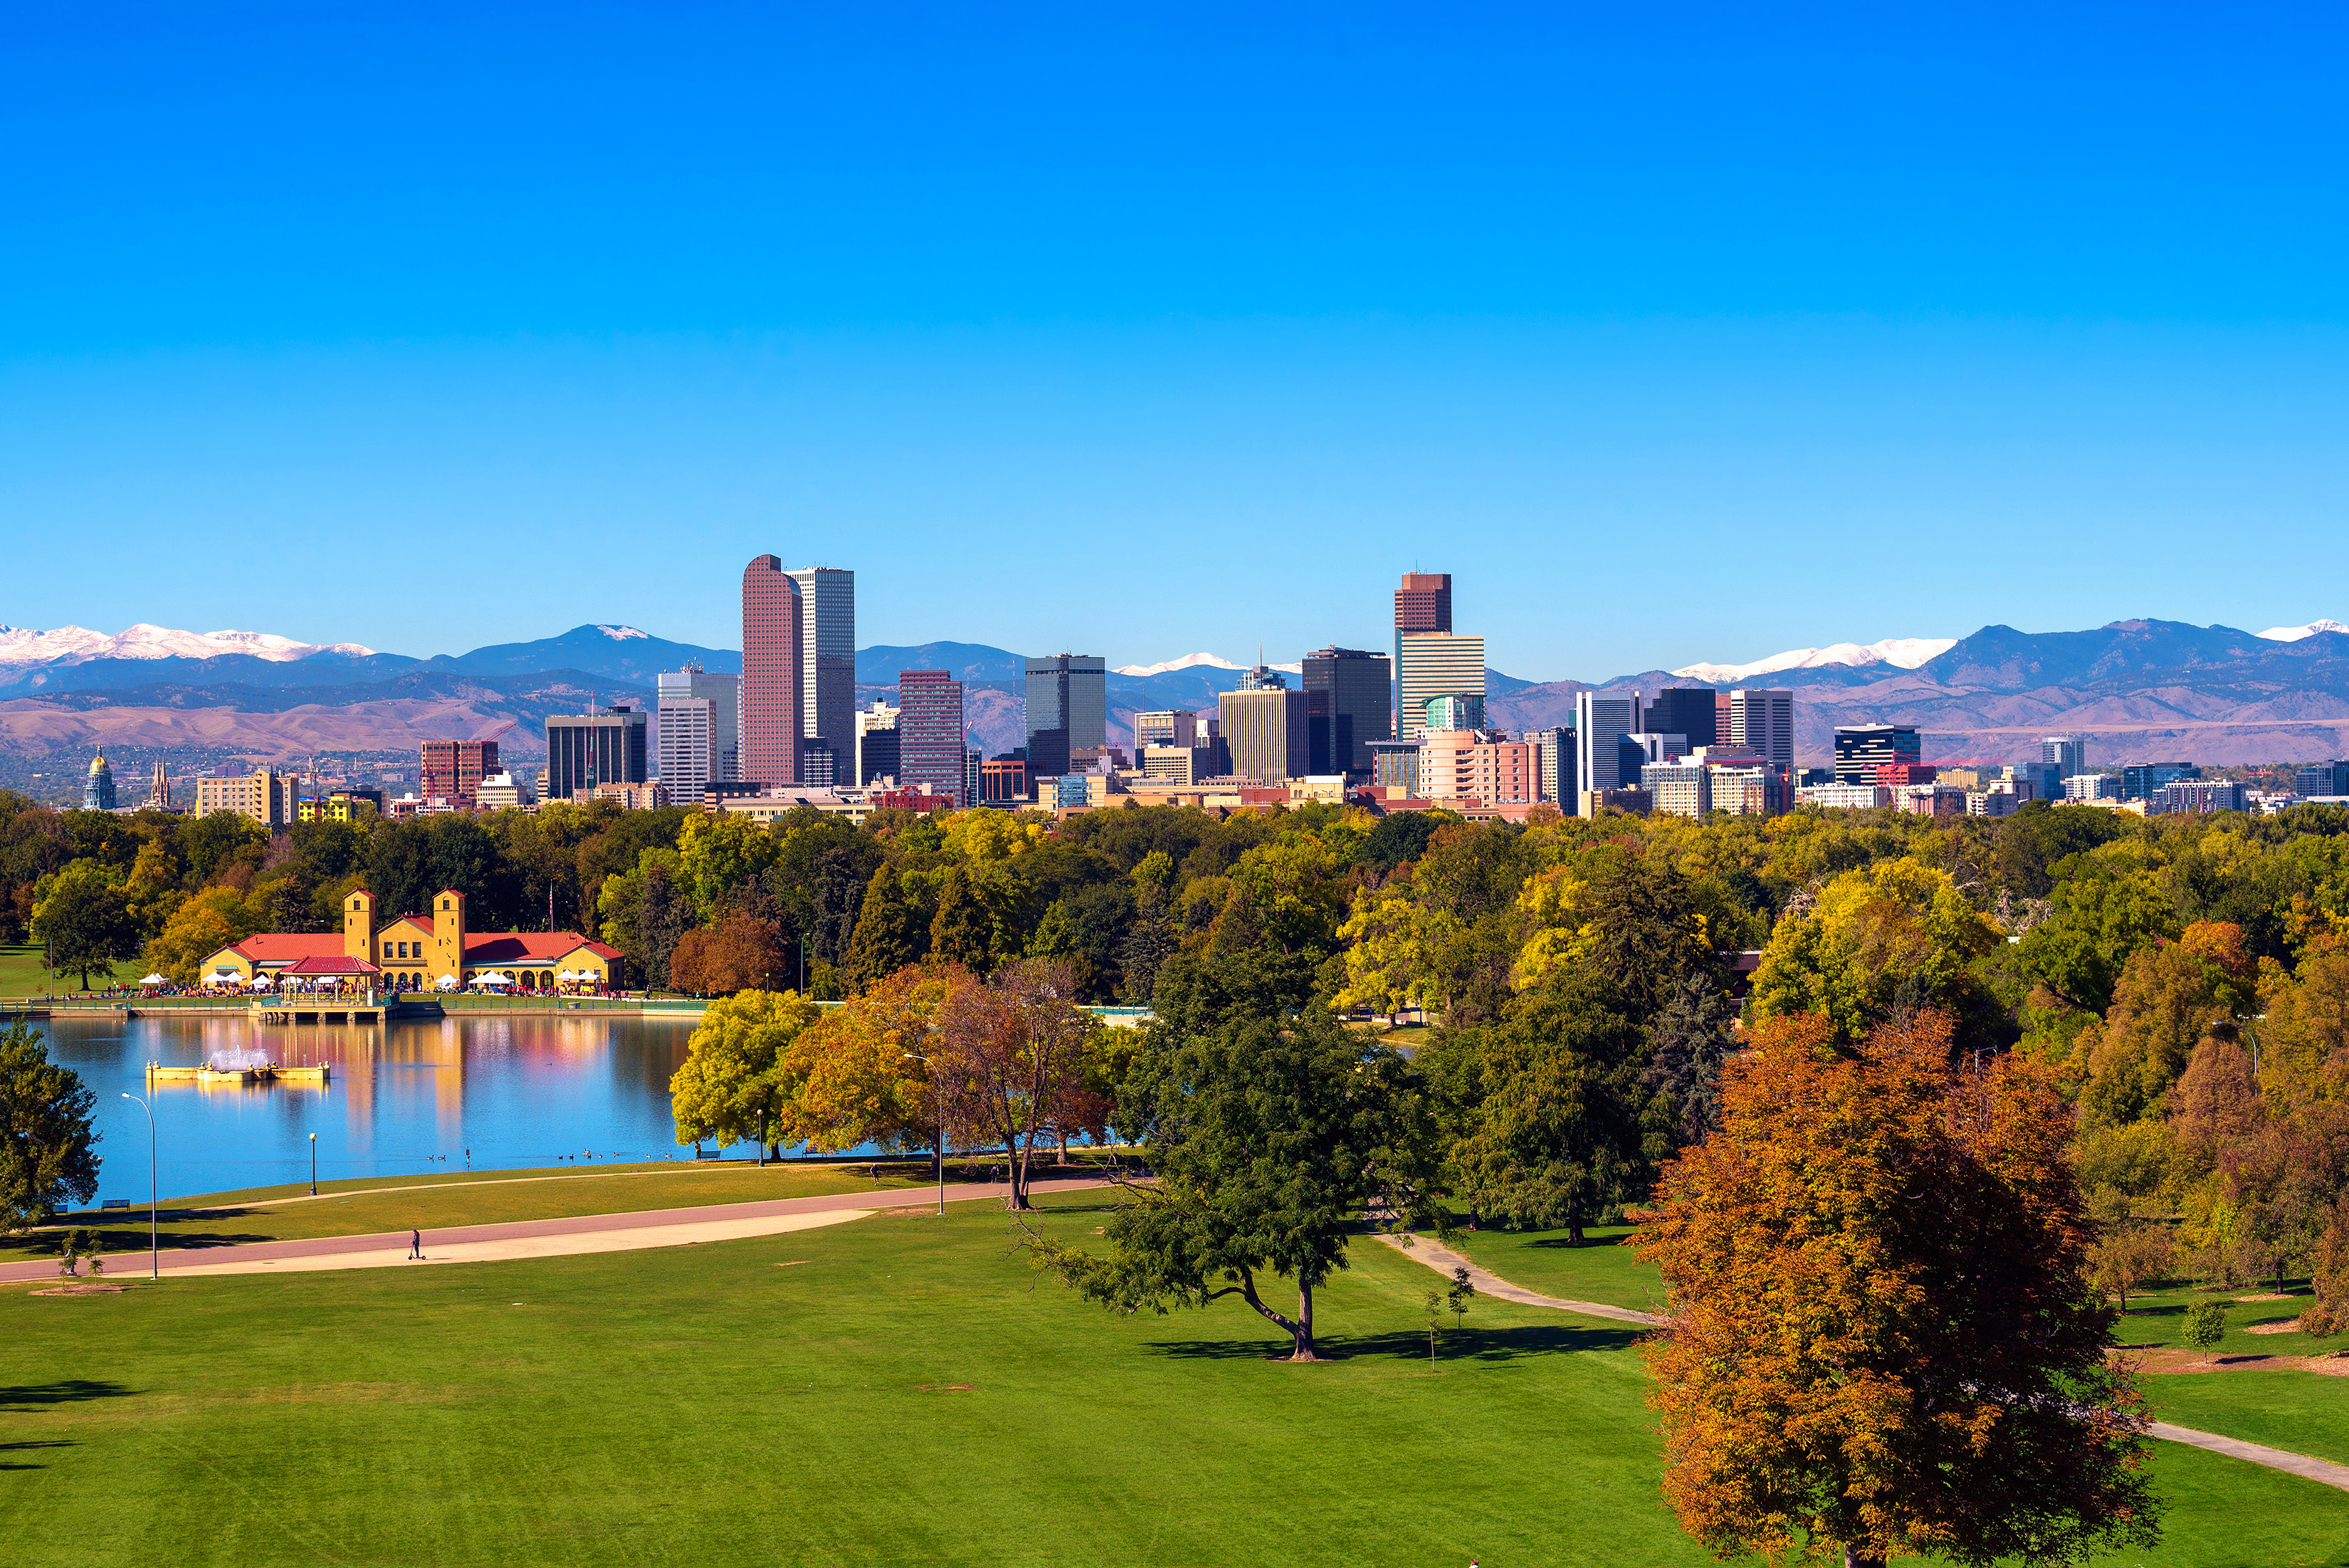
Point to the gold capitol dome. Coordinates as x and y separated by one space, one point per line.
98 764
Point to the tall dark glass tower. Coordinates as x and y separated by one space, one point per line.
1356 685
1067 710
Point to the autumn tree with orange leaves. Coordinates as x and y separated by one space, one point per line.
1883 1340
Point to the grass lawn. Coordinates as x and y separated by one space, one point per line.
906 1391
2302 1412
2158 1319
23 975
1603 1269
477 1198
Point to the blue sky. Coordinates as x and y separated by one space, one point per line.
1673 333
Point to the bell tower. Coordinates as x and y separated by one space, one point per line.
359 925
448 933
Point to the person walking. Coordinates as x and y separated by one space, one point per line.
416 1244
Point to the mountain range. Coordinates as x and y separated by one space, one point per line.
2140 689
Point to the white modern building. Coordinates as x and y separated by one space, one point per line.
699 738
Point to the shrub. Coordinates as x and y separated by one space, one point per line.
2206 1324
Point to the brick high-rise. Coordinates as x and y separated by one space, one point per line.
772 695
930 750
452 770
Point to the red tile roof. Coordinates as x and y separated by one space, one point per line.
337 964
530 948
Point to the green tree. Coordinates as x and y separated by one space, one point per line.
732 1084
717 854
48 1153
1267 1138
83 920
962 931
888 932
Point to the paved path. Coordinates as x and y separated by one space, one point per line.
1443 1260
545 1238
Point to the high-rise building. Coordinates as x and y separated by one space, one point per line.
1431 664
1394 765
1761 723
1360 686
1555 765
452 770
2143 780
931 753
1861 748
1686 711
2197 797
2092 787
1268 733
588 749
267 797
1423 604
772 703
1454 712
827 672
2068 752
700 742
876 742
97 788
1678 789
1471 765
1067 711
1600 725
1177 726
2328 779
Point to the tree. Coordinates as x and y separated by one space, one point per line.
962 931
887 933
1011 1055
1267 1137
46 1144
717 854
1688 1041
858 1081
2127 1253
1882 1339
82 918
1886 938
2169 996
732 1083
1555 1139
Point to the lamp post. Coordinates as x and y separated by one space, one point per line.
154 1259
313 1165
941 1150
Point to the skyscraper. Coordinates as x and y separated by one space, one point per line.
452 770
1861 748
1360 687
1600 724
827 673
700 742
1269 733
772 722
584 750
1067 711
1763 722
2069 753
930 750
1436 664
1684 710
1423 603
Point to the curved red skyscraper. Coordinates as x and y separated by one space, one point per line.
770 673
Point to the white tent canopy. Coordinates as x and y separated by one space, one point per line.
261 982
448 983
153 980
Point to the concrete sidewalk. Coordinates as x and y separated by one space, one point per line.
547 1238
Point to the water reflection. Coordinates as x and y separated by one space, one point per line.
400 1097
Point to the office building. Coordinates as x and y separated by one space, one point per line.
2036 780
1761 722
1394 765
1423 603
1453 713
1430 664
1555 766
1931 799
498 792
97 785
973 766
2326 778
2143 780
2069 753
932 754
1749 788
1268 733
1861 748
827 672
1656 747
1177 726
876 742
1689 711
1474 765
2196 796
263 795
1003 781
453 771
699 740
1358 686
1067 712
1600 725
585 749
1678 788
1845 797
772 702
2092 787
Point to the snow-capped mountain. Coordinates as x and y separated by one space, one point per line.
22 645
1902 653
1197 661
2294 633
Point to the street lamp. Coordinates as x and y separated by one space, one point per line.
937 1095
154 1260
313 1165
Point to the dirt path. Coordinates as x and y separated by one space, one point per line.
1443 1260
543 1238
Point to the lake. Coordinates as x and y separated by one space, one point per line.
408 1098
